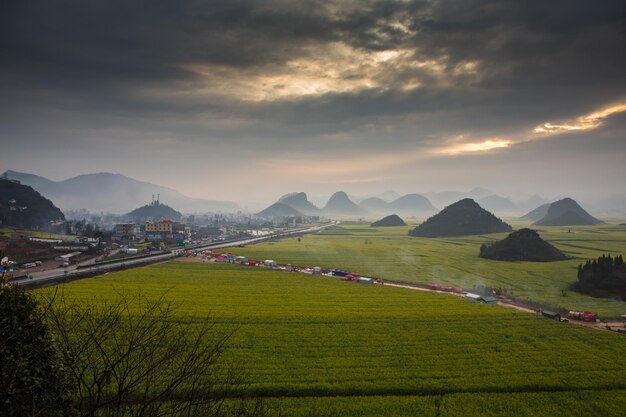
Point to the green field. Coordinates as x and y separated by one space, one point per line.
8 232
320 346
391 253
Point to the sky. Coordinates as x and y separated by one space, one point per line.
247 100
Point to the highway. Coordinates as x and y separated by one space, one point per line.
39 278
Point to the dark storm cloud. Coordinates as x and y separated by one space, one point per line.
198 73
524 47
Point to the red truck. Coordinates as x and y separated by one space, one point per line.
582 315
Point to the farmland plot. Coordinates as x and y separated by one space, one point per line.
391 253
339 346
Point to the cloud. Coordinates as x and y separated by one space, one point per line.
391 83
585 122
475 147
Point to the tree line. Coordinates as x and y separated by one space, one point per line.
606 274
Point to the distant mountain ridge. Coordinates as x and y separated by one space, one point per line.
409 204
465 217
113 193
498 204
445 198
375 204
412 203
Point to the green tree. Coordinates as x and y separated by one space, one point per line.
33 379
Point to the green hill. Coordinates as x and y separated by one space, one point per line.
522 245
21 206
465 217
155 211
391 220
566 212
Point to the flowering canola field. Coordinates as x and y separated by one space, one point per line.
391 253
319 343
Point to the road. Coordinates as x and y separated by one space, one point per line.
52 274
249 241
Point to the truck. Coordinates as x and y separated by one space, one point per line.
583 315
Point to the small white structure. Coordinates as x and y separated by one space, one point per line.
68 257
472 296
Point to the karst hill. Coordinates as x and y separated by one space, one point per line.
389 221
522 245
465 217
566 212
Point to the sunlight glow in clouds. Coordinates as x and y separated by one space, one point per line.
586 122
475 147
334 67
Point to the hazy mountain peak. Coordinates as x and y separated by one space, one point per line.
279 210
340 203
300 202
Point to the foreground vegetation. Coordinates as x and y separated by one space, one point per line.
124 356
390 253
320 346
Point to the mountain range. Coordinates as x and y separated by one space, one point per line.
341 204
113 193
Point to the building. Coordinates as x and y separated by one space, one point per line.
167 230
164 226
125 232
